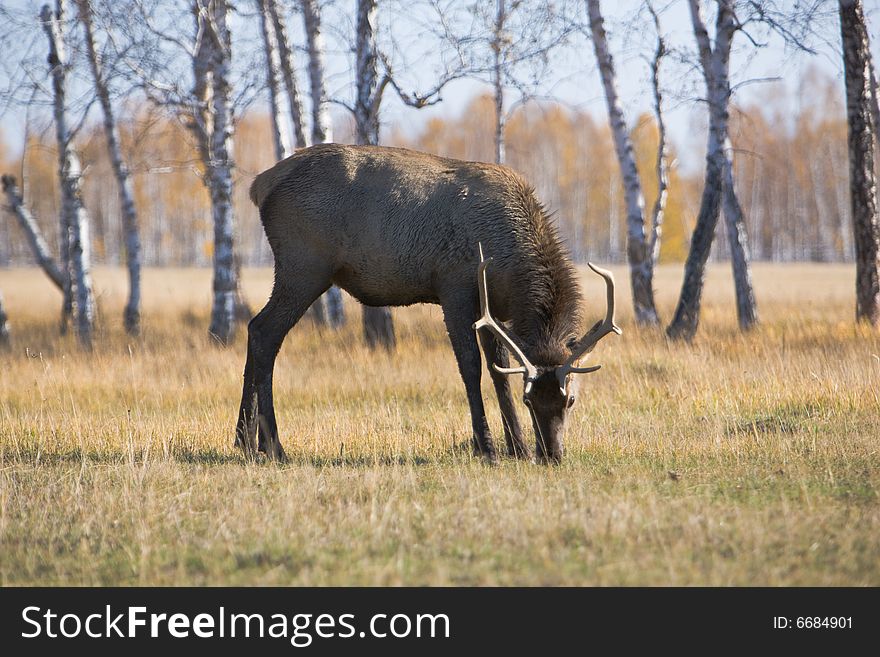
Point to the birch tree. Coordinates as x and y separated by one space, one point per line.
74 219
638 251
378 324
498 49
277 45
288 72
718 183
132 311
369 90
860 141
220 166
658 211
206 108
32 232
518 38
322 127
280 137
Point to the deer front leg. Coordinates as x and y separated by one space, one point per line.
467 353
496 353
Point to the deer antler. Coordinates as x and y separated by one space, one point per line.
600 330
529 371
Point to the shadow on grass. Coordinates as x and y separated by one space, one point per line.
33 456
455 452
213 457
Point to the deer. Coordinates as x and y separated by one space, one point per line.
396 227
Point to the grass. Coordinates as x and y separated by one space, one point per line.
739 460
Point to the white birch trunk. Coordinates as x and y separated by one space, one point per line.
322 128
32 232
378 324
288 72
202 120
225 280
132 313
718 87
498 79
686 319
659 210
737 237
280 138
70 173
718 187
637 247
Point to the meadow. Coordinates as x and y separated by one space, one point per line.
736 460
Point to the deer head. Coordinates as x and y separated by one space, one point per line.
548 392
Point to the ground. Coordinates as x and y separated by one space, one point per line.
737 460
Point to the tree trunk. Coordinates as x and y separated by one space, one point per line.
718 186
368 97
658 212
378 324
322 128
4 326
287 72
280 138
498 79
860 141
132 313
687 313
67 279
875 109
220 175
212 123
335 307
32 232
70 173
746 306
641 272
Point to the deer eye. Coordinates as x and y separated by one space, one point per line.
570 402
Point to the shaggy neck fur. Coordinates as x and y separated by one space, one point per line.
550 317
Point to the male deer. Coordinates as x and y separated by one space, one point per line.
394 227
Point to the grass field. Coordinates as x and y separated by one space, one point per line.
738 460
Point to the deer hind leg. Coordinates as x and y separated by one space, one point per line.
266 332
497 354
459 318
246 429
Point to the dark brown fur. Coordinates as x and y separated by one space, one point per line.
395 227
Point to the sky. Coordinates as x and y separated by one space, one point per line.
575 78
572 77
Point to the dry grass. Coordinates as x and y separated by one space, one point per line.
737 460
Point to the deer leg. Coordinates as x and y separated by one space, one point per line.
497 354
467 353
246 428
266 332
